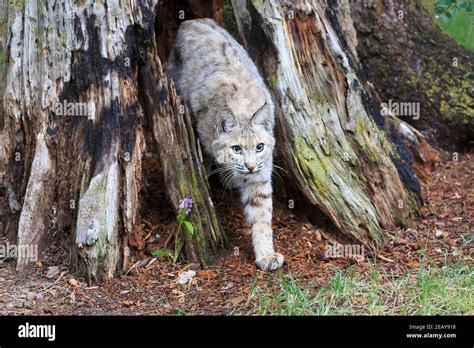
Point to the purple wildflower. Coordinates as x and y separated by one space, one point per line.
186 203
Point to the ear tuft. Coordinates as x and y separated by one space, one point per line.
262 116
226 120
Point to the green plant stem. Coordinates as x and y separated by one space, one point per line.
176 251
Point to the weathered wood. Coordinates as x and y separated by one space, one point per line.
81 173
409 59
3 136
335 153
411 144
184 175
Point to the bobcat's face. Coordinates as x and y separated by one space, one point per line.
244 150
247 152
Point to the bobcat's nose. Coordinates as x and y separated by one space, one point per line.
250 167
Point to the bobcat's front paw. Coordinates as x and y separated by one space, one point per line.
270 262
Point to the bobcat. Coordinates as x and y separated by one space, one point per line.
234 113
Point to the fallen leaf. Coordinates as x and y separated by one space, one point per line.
52 272
317 234
208 274
236 300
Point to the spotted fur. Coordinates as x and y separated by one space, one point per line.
235 118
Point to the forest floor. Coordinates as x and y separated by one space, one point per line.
426 268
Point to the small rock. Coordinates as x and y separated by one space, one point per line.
439 234
30 296
39 297
73 282
186 276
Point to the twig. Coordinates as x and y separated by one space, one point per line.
384 258
133 266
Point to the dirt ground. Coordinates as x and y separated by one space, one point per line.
446 223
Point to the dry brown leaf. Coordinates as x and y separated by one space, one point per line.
208 274
236 300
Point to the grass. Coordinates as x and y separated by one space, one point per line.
459 27
446 290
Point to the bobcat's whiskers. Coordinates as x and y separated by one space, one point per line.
221 169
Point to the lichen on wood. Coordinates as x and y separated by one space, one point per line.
336 155
409 59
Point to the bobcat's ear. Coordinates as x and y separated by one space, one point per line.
225 120
262 116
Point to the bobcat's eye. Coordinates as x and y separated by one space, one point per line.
237 149
260 147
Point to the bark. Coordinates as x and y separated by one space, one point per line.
337 157
4 209
180 157
411 144
409 59
82 176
